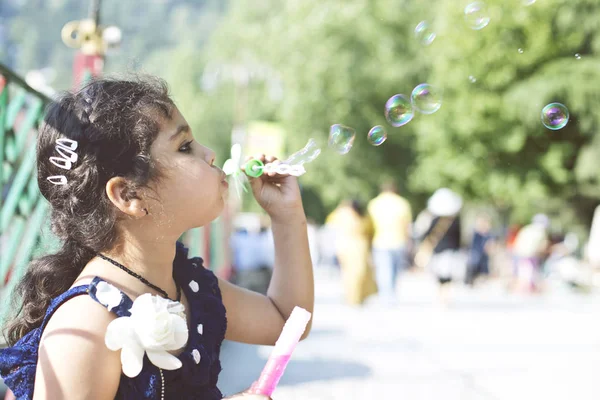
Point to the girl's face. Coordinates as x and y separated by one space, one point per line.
192 189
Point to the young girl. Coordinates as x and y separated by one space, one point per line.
121 311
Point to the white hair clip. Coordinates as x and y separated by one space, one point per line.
66 149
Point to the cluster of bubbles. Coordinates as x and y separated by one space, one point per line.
399 110
427 99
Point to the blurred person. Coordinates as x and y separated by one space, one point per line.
353 242
440 246
391 215
531 249
511 236
481 244
562 261
326 238
252 259
422 224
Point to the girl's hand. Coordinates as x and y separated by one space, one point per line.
278 195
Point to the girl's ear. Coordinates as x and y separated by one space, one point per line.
120 194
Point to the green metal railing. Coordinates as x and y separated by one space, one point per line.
24 228
23 210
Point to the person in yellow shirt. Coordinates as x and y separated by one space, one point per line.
391 216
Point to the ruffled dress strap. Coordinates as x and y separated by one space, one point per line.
110 297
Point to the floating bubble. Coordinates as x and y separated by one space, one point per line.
476 15
555 116
520 51
578 56
528 2
472 79
398 110
426 98
341 138
377 135
424 34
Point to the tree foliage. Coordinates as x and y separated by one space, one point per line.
342 60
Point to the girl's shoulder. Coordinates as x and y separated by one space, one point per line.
65 351
72 349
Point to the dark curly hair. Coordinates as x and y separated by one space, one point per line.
114 122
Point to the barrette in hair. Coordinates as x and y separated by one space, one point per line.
66 149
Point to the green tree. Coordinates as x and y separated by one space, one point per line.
487 140
341 61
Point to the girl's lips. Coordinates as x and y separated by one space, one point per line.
224 180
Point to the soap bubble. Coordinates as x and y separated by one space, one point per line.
472 79
528 2
377 135
424 34
578 56
555 116
341 138
398 110
520 51
476 15
426 99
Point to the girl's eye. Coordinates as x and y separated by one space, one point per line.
186 147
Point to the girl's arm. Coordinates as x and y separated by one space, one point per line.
258 319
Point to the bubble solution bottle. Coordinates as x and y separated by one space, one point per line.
284 347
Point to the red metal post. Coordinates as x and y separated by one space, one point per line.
85 66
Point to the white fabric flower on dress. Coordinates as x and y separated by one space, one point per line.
156 326
108 295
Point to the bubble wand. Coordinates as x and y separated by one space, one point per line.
280 356
293 165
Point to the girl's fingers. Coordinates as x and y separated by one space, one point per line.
265 160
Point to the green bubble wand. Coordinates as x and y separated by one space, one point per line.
293 165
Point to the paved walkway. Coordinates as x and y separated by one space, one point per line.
487 346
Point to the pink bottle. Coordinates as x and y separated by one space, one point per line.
280 356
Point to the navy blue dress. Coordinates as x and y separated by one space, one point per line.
196 379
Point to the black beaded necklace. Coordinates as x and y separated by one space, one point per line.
142 279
